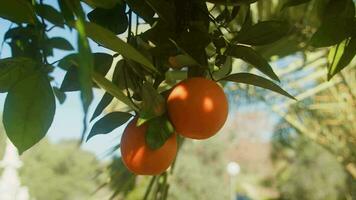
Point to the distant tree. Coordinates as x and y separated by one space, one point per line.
305 170
60 171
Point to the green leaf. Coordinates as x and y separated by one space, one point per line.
18 11
86 64
101 3
142 9
341 55
13 70
61 96
59 43
113 90
107 98
113 19
164 10
153 103
66 11
104 102
158 131
291 3
332 32
231 2
263 33
50 14
252 57
109 40
108 123
258 81
102 64
337 24
29 110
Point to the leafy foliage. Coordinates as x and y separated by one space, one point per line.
206 33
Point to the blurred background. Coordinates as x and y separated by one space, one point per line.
275 148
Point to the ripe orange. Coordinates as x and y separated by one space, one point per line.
197 108
139 158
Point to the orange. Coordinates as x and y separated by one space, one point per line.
197 108
139 158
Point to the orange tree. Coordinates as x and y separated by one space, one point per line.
167 41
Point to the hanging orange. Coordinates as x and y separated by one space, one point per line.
139 158
197 108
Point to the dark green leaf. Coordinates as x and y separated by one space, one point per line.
59 43
18 11
86 64
61 96
340 56
231 2
263 33
112 89
104 102
113 19
109 40
101 3
164 9
251 56
142 9
337 24
158 131
102 64
290 3
332 32
13 70
50 14
29 110
153 103
108 123
258 81
66 11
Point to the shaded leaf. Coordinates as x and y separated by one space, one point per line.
18 11
109 40
252 57
59 43
158 131
337 23
50 14
102 64
66 11
164 9
258 81
61 96
29 110
263 33
231 2
101 3
331 32
112 89
113 19
86 64
13 70
340 56
153 103
108 123
104 102
290 3
142 9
